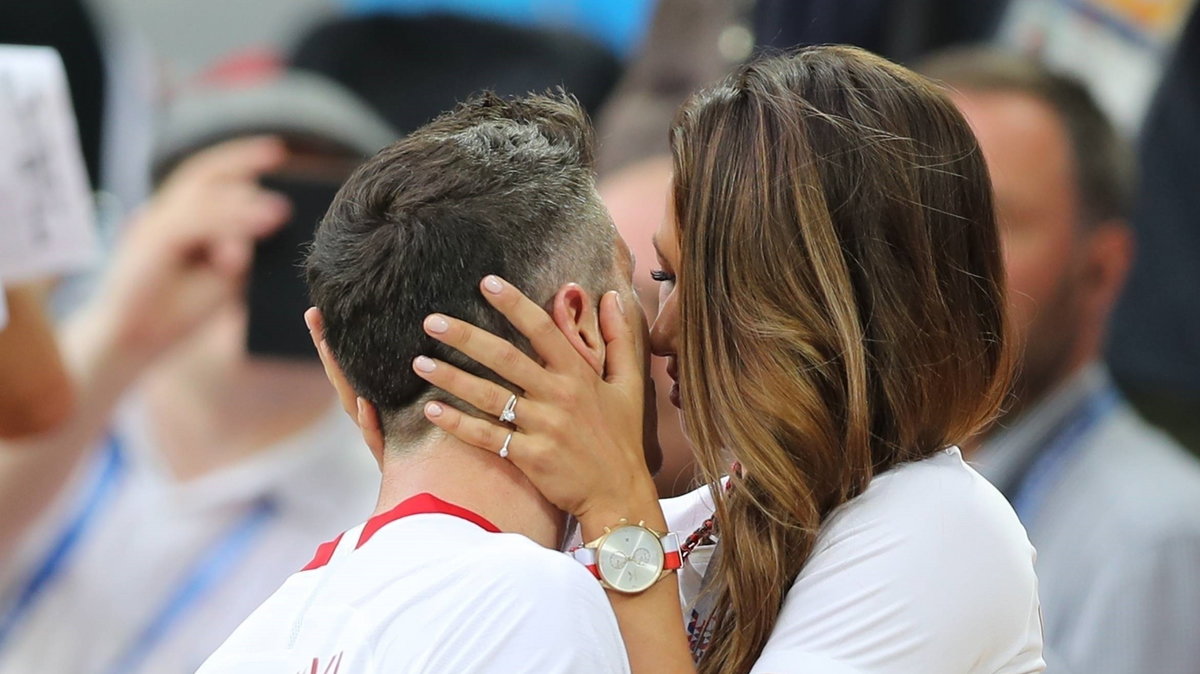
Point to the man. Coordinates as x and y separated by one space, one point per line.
430 584
1111 503
192 475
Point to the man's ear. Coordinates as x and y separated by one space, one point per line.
361 410
333 372
371 427
574 312
1110 254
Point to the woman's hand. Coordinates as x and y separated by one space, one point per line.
578 435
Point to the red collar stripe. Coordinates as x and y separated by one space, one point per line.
422 504
324 554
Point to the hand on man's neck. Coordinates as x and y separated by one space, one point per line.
474 479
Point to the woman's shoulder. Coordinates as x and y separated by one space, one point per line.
936 516
934 497
916 501
929 564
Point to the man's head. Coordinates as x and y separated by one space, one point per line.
1063 184
494 187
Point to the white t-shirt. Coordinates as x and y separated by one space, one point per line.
163 570
927 572
430 587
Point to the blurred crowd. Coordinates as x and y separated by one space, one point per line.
170 449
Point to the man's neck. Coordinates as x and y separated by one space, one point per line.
474 479
204 422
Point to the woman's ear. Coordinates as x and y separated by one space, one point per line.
574 312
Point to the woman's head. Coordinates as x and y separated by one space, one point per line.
838 300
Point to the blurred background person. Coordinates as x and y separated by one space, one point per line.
137 542
1111 503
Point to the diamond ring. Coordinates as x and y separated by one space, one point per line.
509 414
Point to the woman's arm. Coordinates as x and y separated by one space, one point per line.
578 438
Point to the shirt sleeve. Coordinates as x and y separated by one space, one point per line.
912 585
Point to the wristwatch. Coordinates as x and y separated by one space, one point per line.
630 558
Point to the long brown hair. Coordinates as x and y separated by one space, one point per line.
841 303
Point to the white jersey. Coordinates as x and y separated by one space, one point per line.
430 587
926 572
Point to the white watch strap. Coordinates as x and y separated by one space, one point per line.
670 543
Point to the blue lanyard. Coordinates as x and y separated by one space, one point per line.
51 567
1047 468
204 574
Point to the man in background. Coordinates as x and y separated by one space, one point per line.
1111 503
193 475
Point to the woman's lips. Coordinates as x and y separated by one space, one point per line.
673 373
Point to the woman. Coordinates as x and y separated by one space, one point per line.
832 308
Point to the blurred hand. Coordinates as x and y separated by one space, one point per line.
187 252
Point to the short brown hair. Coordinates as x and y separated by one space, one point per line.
497 186
1104 169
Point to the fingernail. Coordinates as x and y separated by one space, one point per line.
620 302
424 364
433 410
493 285
437 324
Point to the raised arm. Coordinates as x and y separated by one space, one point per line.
578 438
182 257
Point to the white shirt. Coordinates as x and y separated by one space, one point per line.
151 532
430 587
928 571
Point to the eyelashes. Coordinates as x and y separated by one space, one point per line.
662 276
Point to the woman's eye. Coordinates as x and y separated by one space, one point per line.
661 276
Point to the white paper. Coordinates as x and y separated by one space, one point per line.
47 222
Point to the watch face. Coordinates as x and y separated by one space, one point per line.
630 559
